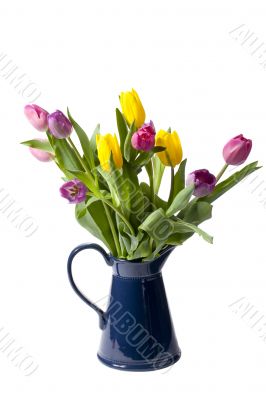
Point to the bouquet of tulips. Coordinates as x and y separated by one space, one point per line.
102 178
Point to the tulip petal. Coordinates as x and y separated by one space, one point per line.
104 152
37 116
176 144
237 150
107 144
173 153
132 108
117 156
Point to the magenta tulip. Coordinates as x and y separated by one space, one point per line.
41 155
203 180
37 116
237 150
144 138
59 125
74 191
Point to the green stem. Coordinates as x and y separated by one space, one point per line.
152 185
150 172
120 215
70 141
221 172
159 175
113 230
109 218
171 194
149 169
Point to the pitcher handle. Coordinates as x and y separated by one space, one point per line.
108 261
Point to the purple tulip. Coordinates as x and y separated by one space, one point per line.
74 191
37 116
237 150
41 155
59 125
203 180
144 138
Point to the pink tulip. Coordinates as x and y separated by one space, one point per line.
203 180
37 116
59 125
237 150
41 155
144 138
74 191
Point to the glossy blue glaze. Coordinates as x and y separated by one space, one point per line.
137 329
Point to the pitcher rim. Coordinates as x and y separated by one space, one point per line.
139 260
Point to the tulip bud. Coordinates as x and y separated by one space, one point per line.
37 116
41 155
172 155
132 108
144 138
237 150
59 125
74 191
203 180
107 145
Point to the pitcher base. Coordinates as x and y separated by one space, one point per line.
141 365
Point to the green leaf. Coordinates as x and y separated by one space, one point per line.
160 203
128 242
111 177
65 156
123 185
51 138
177 239
157 149
180 201
165 230
143 159
145 156
158 170
179 179
38 144
128 147
129 152
93 139
157 226
143 250
181 226
105 194
93 218
131 194
230 182
87 180
155 253
84 141
88 202
197 212
122 128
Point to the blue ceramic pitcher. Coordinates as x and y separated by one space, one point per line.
137 329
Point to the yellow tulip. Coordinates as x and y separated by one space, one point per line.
132 108
172 155
107 144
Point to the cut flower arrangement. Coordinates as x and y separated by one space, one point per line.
101 177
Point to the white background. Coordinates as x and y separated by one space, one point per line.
193 75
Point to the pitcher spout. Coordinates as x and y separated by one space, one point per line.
139 268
